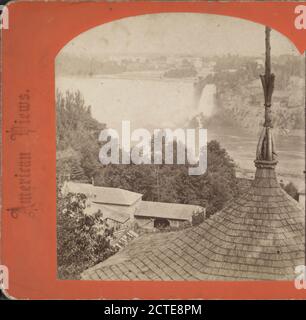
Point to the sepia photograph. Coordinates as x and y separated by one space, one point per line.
180 151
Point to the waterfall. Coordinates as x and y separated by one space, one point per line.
207 102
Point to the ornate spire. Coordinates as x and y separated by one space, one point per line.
265 153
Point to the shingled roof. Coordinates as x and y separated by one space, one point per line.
108 211
115 196
165 210
105 195
259 235
78 187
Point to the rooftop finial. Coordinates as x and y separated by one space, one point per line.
267 81
266 147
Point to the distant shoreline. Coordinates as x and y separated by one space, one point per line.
154 76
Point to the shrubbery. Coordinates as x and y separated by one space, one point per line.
82 240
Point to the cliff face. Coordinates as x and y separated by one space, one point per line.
241 107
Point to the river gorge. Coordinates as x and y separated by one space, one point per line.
150 101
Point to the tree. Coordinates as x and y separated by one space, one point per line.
82 240
292 190
172 183
78 132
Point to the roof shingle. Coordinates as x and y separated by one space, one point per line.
167 210
103 194
259 235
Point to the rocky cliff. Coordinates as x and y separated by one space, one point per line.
242 107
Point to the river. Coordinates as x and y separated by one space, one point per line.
152 102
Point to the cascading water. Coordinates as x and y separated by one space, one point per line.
204 101
207 102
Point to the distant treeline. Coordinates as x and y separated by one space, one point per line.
234 71
186 72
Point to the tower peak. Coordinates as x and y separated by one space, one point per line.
266 153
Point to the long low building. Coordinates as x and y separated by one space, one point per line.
120 207
99 194
158 215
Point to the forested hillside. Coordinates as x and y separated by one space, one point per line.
76 138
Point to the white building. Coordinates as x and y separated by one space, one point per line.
120 207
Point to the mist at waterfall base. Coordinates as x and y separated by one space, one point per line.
174 103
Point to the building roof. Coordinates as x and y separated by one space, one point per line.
243 184
108 212
115 196
175 211
259 235
102 194
77 187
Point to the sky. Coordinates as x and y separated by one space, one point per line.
177 33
